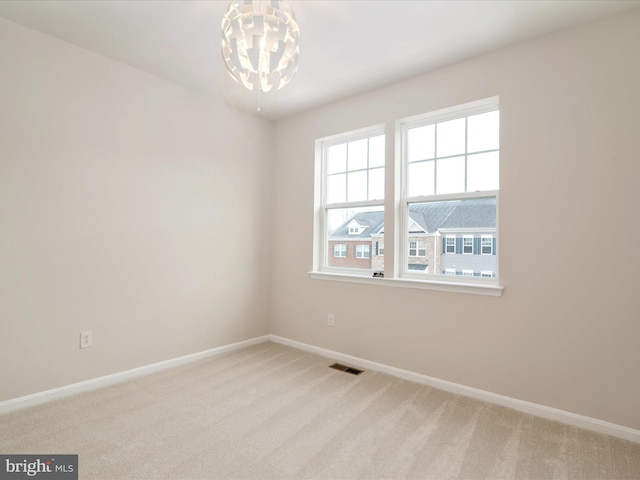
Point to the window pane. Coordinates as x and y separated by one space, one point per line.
357 186
450 232
376 151
420 178
450 245
357 155
450 136
421 143
359 250
337 158
376 184
483 132
467 244
363 251
336 188
450 175
483 172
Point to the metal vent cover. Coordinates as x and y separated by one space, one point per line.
344 368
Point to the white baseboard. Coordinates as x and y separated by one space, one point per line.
549 413
100 382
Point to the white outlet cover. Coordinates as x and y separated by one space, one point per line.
86 339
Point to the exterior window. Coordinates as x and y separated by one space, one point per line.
444 213
363 251
487 245
467 244
340 250
450 244
451 180
417 249
351 171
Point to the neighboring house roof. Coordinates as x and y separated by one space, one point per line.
372 220
471 213
432 216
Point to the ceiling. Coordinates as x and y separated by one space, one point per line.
346 46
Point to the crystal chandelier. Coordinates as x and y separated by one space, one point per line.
260 43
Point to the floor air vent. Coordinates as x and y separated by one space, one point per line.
344 368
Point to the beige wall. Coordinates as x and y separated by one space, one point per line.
565 332
128 206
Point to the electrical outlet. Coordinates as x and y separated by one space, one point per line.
330 320
86 339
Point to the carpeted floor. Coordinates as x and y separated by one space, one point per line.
274 412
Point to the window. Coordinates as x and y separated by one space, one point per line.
340 250
450 161
363 251
487 245
450 244
442 217
351 197
417 249
467 244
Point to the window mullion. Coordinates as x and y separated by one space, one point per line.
466 150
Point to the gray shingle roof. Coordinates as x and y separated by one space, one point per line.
471 213
372 220
432 216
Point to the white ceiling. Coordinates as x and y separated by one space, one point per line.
346 46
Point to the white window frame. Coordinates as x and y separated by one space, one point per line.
403 127
395 207
361 252
482 239
464 239
467 273
322 207
448 238
420 246
335 249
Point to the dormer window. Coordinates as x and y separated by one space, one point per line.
355 228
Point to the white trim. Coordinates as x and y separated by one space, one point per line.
486 237
446 244
455 285
451 113
100 382
467 237
543 411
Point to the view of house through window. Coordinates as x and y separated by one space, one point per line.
454 236
358 235
452 156
353 201
448 192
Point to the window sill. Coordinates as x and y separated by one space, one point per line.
491 289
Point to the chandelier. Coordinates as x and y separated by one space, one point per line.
260 43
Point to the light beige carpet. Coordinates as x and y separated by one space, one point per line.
274 412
